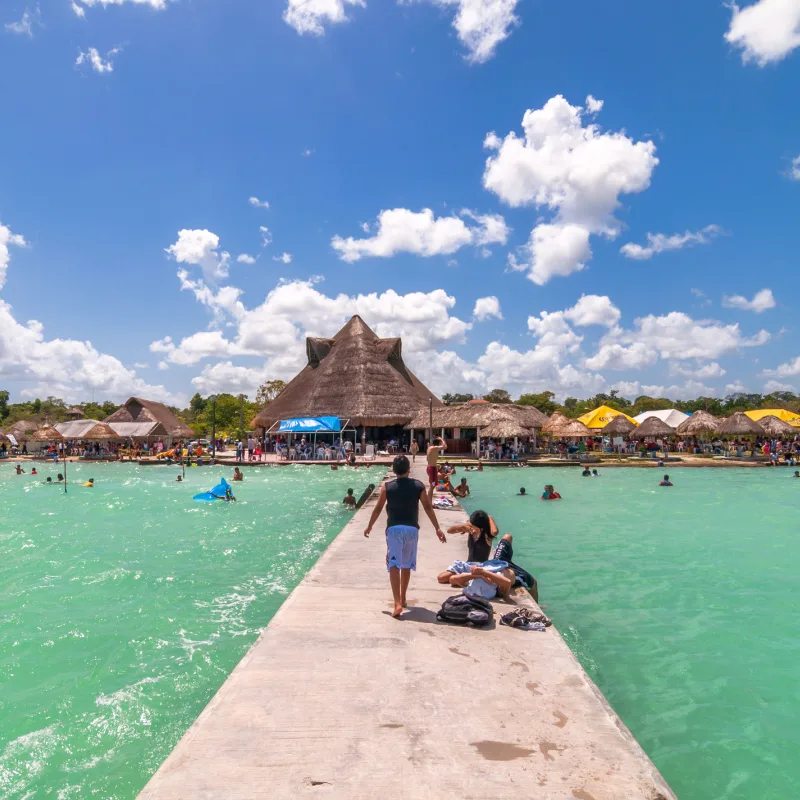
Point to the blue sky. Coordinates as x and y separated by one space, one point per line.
136 132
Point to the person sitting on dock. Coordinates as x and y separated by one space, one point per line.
350 500
237 474
486 580
666 481
402 498
481 529
462 490
550 493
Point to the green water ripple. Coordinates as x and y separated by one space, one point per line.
680 603
124 607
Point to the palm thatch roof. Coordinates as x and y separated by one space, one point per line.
137 409
356 375
49 434
505 429
482 416
556 423
4 437
100 431
653 427
21 429
774 426
699 422
739 424
575 429
619 426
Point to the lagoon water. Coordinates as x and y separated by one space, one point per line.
123 608
681 604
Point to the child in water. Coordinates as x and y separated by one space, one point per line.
666 481
179 479
349 499
550 493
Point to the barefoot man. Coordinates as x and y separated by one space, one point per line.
402 497
434 451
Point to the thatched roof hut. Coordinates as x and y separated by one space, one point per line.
138 410
773 426
653 428
4 437
575 429
22 429
100 431
76 412
49 434
483 417
556 423
355 375
505 429
699 422
619 426
739 424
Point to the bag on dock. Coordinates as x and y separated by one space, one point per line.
464 609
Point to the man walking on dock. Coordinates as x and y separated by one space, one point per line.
434 451
402 497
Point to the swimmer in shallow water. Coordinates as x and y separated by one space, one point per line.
179 479
19 470
349 500
550 493
666 481
34 472
237 474
60 478
89 484
522 492
587 473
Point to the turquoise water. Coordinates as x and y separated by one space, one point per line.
681 604
124 607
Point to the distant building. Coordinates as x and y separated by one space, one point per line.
76 412
148 413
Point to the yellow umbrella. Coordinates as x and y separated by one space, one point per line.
600 417
780 413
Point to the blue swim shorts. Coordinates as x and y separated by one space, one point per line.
401 547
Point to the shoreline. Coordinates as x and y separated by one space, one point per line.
337 697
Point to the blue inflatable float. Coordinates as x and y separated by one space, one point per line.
217 493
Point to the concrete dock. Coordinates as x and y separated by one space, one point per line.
337 699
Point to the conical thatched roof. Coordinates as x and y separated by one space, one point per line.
356 375
575 429
46 435
4 437
505 429
556 423
137 409
619 426
773 426
652 427
699 422
21 429
100 431
739 424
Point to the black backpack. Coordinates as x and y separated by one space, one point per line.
463 609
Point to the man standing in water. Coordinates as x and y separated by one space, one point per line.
402 497
434 451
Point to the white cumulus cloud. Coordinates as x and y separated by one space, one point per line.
311 16
254 201
762 301
576 171
400 230
765 31
7 240
79 11
158 5
487 308
201 248
245 258
593 309
661 242
96 61
24 27
785 370
284 258
794 172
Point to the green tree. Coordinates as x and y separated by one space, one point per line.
268 391
37 406
454 399
543 401
498 396
646 403
4 412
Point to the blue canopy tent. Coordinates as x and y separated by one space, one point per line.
312 425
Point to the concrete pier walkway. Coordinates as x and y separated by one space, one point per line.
337 699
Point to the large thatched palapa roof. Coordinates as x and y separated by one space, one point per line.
556 423
651 428
4 437
46 435
739 424
138 410
699 422
356 375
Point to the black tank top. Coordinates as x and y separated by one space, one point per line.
402 502
479 549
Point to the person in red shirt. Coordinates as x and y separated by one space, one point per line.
550 493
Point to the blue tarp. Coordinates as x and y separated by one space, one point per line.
311 425
217 493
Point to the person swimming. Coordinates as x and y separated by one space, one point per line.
229 498
587 473
34 472
19 470
349 500
179 479
595 473
49 481
237 474
550 493
522 492
89 484
60 478
666 481
796 474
